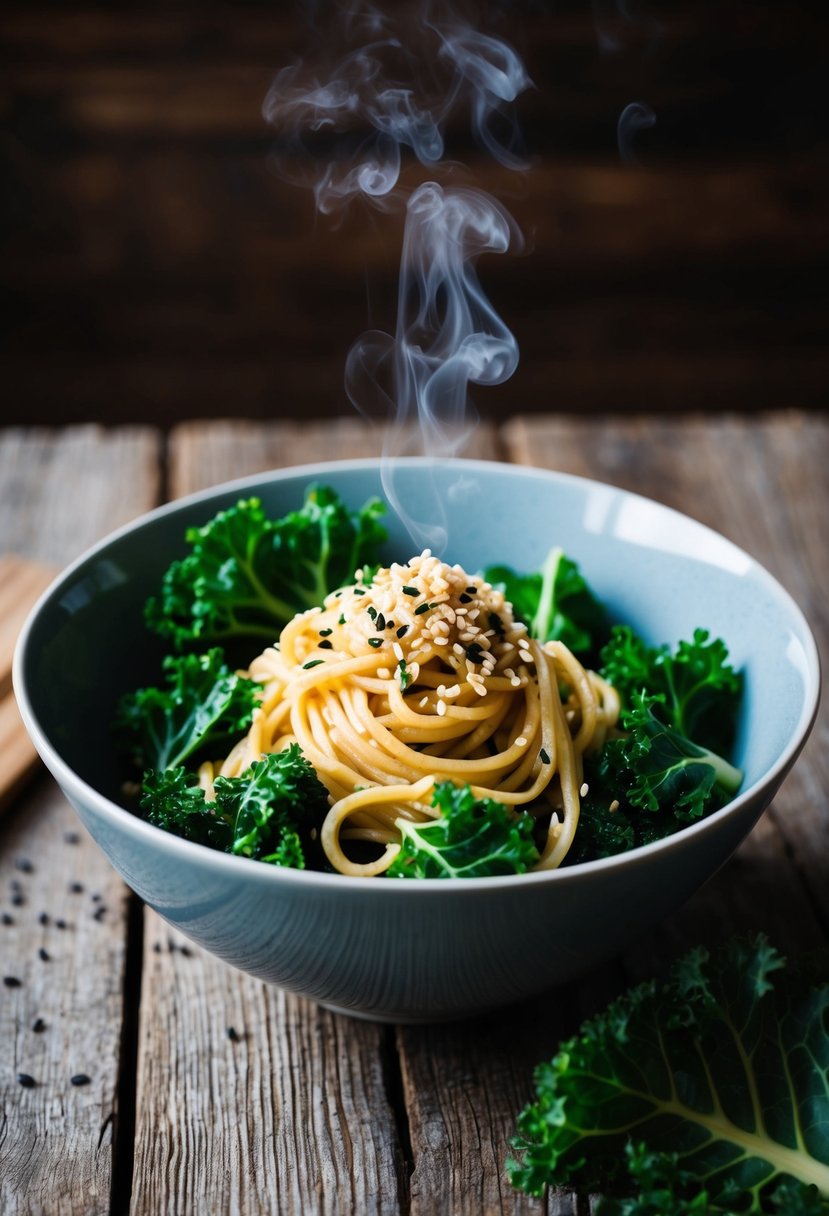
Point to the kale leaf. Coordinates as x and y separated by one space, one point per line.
247 575
205 704
555 603
267 813
700 690
660 769
711 1086
471 838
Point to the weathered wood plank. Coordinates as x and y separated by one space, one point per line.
58 494
204 453
56 1142
250 1100
60 491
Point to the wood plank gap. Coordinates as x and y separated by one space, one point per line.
393 1082
124 1146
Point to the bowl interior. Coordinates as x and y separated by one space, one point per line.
660 571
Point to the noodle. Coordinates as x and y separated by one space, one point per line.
419 676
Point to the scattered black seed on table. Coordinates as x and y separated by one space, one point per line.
80 1078
18 899
8 919
99 913
44 918
24 1079
38 1025
60 923
232 1034
156 947
76 887
96 897
43 955
71 838
24 865
11 981
185 950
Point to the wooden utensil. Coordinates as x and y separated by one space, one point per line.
21 582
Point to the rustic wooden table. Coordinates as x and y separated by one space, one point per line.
299 1110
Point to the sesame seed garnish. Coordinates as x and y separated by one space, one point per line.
80 1078
543 756
441 709
614 806
520 741
26 1080
584 789
38 1026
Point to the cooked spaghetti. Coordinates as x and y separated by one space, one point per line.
420 675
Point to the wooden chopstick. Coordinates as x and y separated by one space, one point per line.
21 582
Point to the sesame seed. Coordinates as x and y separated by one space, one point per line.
614 806
520 741
38 1025
27 1081
583 791
24 865
515 682
398 650
8 919
80 1078
441 709
11 981
43 955
543 756
232 1034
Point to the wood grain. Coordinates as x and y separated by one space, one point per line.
60 492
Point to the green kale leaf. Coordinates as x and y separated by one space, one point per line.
268 812
711 1087
699 688
555 603
471 838
247 575
660 769
204 705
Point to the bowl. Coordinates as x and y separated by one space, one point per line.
434 949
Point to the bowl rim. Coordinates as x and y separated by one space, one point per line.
76 787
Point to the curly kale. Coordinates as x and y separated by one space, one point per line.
269 812
204 705
471 838
248 575
710 1088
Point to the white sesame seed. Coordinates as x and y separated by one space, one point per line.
441 709
398 651
520 741
614 806
515 682
423 702
583 790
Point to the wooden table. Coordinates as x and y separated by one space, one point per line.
299 1110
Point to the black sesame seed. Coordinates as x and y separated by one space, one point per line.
18 899
410 591
38 1026
232 1034
99 913
472 591
24 865
11 981
312 663
60 923
8 919
543 757
71 838
27 1081
156 947
359 590
496 623
76 887
326 645
80 1078
421 608
43 955
342 619
464 598
186 951
402 631
381 622
44 918
96 897
372 611
325 633
375 642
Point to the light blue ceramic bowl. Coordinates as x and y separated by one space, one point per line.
408 950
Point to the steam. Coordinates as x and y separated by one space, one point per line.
447 335
636 117
385 97
343 132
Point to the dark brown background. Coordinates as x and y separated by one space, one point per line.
154 267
